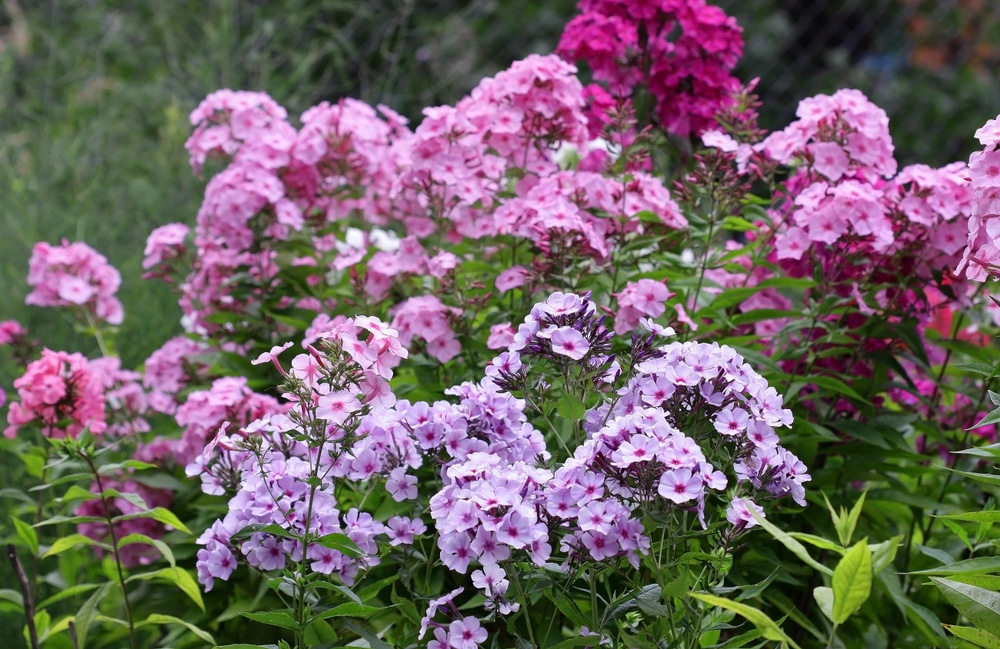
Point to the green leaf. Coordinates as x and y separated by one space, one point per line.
767 627
852 582
824 597
406 606
571 407
160 619
838 386
989 582
980 606
978 637
341 543
979 564
159 514
130 497
162 547
992 418
11 595
348 609
271 528
85 617
741 640
27 534
178 577
127 464
984 478
273 618
66 593
76 492
789 542
884 553
567 607
976 517
582 641
71 541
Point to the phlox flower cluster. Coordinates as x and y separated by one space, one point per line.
274 489
63 393
11 331
644 298
486 167
427 318
683 51
169 369
165 246
849 201
284 466
228 399
74 275
495 504
981 257
878 241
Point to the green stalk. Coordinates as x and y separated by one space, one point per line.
114 547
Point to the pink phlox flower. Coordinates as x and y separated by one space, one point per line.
639 448
466 633
400 485
271 356
402 530
731 421
739 515
680 485
338 407
511 278
569 342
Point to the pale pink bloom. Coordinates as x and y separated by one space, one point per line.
337 407
567 341
511 278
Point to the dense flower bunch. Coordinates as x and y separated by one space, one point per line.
284 466
74 275
981 259
687 420
61 392
682 51
169 369
879 243
482 170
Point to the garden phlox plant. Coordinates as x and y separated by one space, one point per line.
515 376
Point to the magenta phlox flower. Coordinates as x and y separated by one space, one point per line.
456 551
400 485
215 561
491 580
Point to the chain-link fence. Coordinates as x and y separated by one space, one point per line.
933 65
